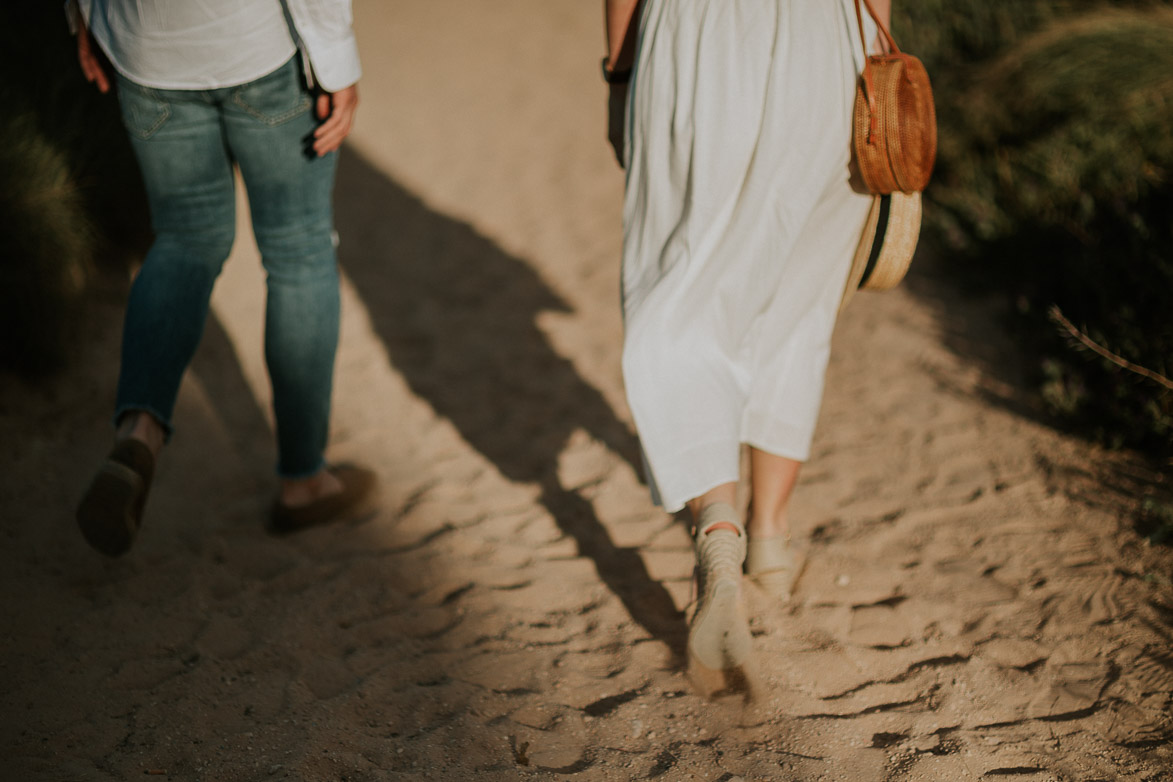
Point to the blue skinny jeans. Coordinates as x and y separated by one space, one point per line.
186 142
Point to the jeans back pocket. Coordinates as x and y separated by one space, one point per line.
143 110
276 98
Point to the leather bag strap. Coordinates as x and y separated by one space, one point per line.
869 88
892 48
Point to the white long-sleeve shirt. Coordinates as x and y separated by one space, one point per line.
208 44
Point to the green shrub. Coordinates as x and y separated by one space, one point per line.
71 202
46 245
1055 184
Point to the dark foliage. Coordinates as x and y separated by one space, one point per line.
1055 184
71 204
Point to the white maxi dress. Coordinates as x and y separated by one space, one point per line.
739 228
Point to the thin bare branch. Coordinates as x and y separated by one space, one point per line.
1090 344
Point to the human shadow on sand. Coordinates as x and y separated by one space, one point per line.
458 315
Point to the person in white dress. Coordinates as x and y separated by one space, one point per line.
732 119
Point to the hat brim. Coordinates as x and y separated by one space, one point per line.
886 245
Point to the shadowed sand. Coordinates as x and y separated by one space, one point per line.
975 604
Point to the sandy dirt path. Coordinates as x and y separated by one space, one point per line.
975 606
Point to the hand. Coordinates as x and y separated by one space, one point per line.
337 111
617 118
91 64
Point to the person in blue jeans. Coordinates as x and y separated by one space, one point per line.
270 87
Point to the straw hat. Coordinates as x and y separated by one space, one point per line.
887 244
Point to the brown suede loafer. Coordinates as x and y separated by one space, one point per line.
111 511
357 484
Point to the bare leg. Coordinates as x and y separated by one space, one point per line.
772 480
770 559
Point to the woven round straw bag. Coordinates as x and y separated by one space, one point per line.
895 124
894 146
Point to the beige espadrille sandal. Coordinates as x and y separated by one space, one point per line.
773 564
718 635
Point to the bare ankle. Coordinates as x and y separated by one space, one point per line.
301 491
722 525
142 426
768 526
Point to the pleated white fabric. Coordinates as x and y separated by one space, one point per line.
739 228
